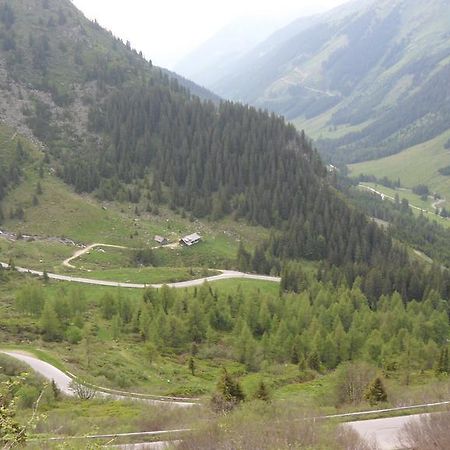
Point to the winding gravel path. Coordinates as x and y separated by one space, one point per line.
78 253
225 275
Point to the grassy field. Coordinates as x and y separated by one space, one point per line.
417 165
60 212
36 255
317 127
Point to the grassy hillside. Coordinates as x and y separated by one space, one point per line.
417 165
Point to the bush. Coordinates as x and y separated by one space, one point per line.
145 257
429 432
352 380
27 396
74 334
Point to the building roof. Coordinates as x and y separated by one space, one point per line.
160 238
191 239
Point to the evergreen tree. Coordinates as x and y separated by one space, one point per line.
228 394
55 391
192 365
262 393
116 327
314 361
376 392
442 365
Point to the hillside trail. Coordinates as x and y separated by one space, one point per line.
87 249
83 251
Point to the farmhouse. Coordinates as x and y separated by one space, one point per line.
192 239
161 240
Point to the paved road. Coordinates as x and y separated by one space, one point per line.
225 275
63 382
160 445
45 369
384 432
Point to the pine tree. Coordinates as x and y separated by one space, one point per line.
116 327
262 393
228 394
192 365
55 390
243 258
442 364
376 392
314 361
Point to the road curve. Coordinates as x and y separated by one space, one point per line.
385 433
63 382
45 369
225 275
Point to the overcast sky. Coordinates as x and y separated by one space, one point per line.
167 30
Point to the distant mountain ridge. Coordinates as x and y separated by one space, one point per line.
368 79
217 55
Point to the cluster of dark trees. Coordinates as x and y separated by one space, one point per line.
11 171
385 181
445 170
420 232
422 190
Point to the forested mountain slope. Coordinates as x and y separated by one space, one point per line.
369 79
54 64
114 126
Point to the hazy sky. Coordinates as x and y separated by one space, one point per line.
167 30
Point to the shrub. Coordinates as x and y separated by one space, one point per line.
74 334
27 396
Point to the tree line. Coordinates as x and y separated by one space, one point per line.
317 329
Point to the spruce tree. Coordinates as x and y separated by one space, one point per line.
228 394
376 392
442 364
192 365
262 393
